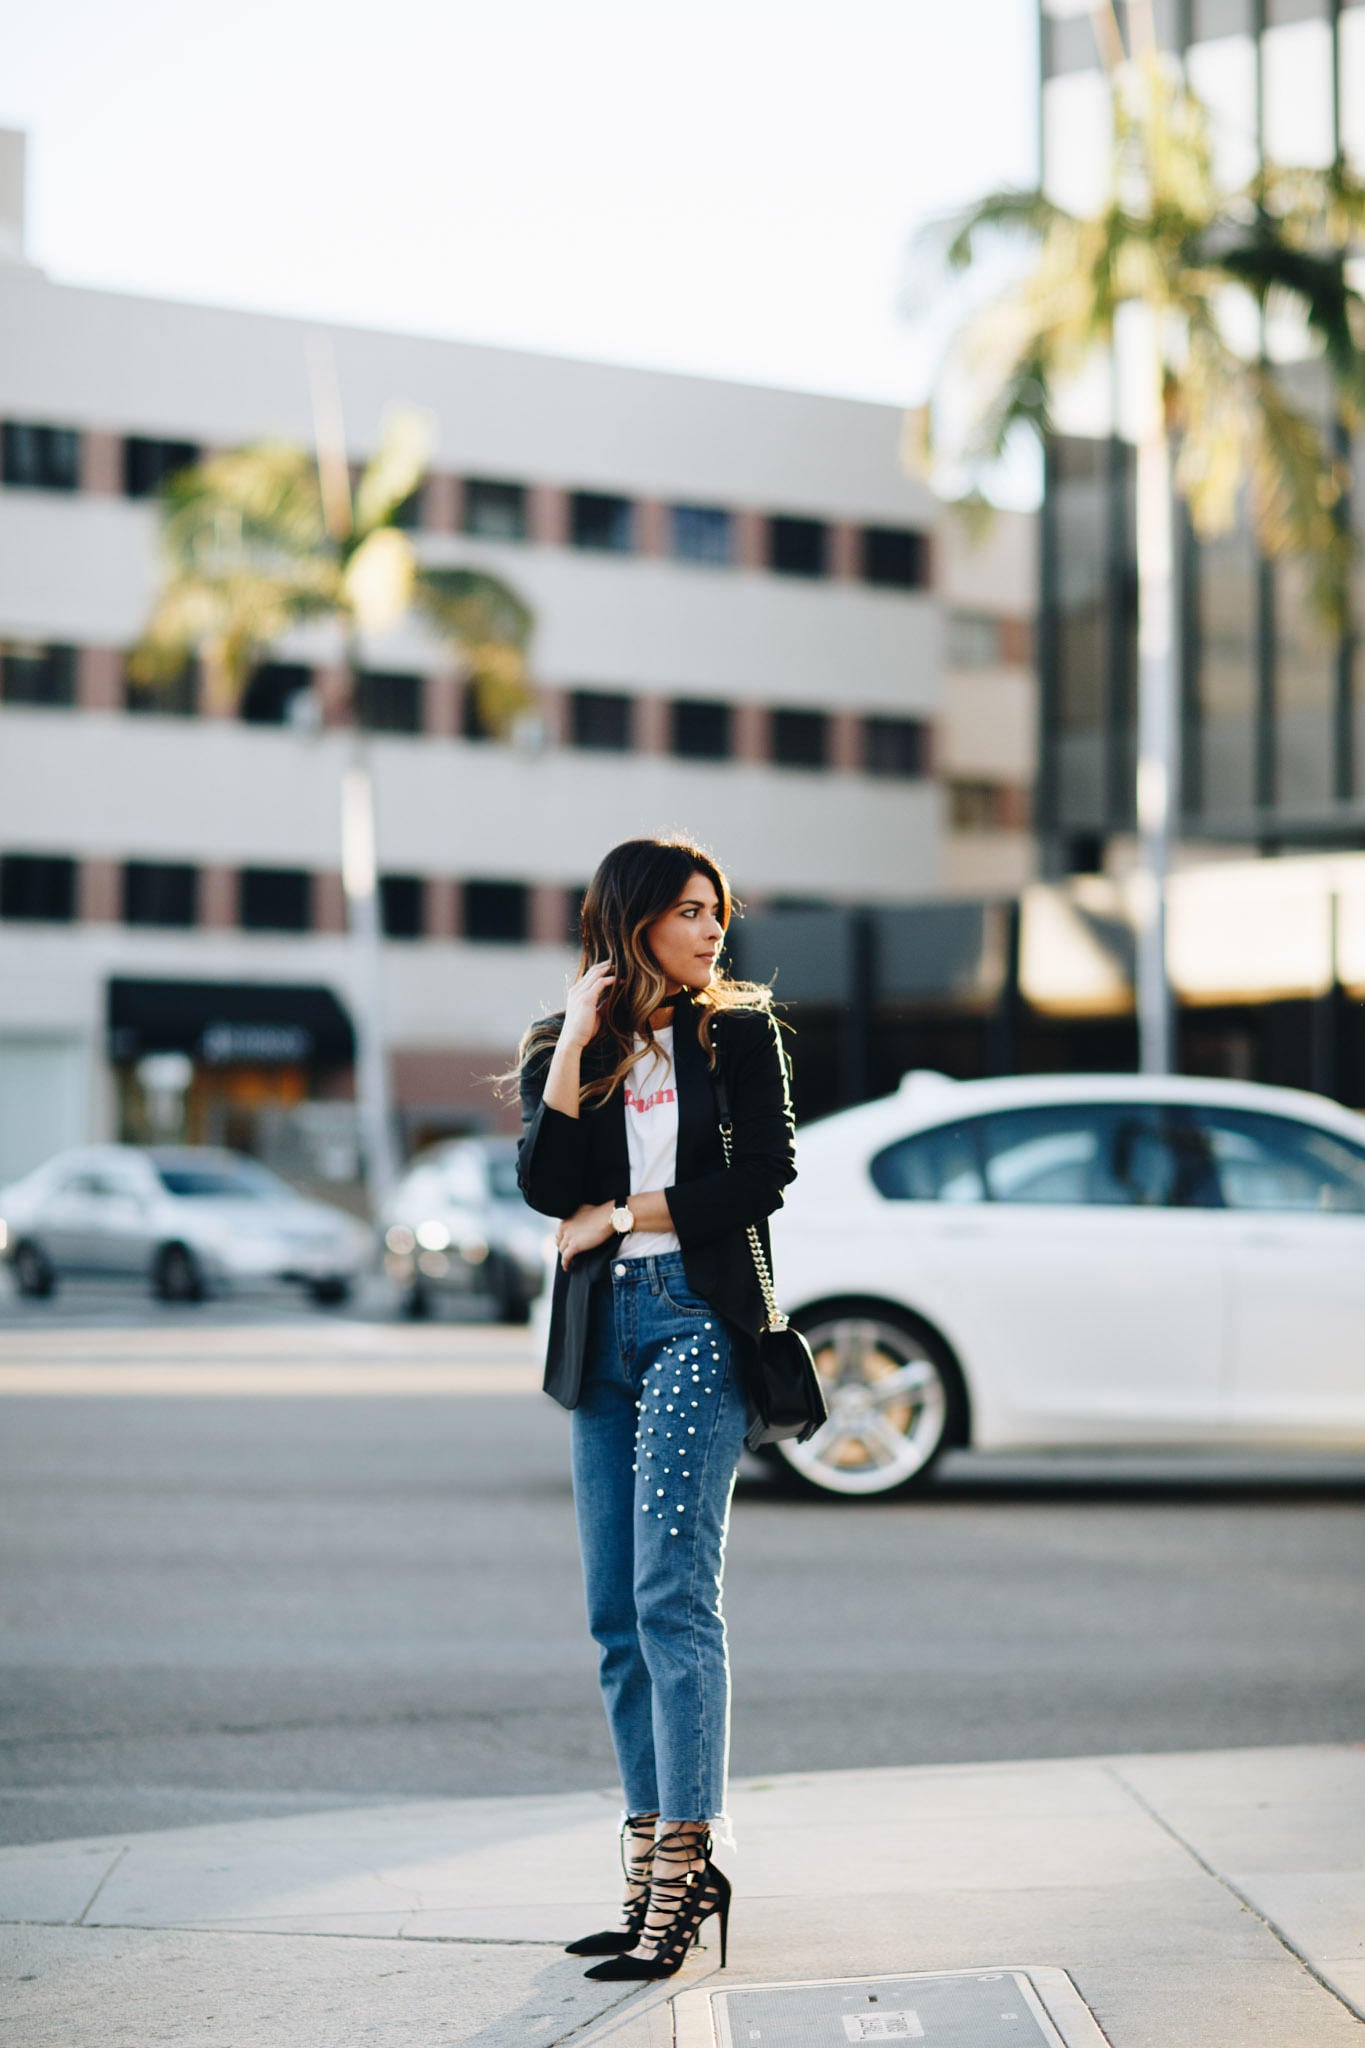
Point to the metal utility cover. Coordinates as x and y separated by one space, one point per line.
959 2009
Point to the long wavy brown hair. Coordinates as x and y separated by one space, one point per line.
637 882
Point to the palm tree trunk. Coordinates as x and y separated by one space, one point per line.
1158 737
360 880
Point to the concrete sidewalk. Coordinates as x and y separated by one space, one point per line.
1198 1901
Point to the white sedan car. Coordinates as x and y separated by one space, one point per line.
1075 1260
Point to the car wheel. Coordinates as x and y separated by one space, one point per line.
33 1273
176 1275
330 1293
896 1400
513 1307
417 1303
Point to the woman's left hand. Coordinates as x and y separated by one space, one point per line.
588 1226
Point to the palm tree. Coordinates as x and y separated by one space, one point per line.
1160 267
266 538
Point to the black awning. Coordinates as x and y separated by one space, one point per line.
257 1023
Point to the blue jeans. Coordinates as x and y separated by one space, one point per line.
656 1441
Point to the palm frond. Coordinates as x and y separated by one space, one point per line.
1296 491
395 471
954 238
471 607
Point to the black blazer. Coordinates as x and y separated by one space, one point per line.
564 1161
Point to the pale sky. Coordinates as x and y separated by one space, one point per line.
722 186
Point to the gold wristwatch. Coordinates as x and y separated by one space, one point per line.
621 1218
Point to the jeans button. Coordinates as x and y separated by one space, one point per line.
620 1272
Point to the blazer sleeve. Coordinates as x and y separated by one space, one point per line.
763 1144
553 1151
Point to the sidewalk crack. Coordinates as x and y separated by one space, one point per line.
1272 1927
80 1922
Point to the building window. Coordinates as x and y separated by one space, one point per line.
497 912
701 533
276 900
38 886
800 739
599 719
269 697
495 511
407 513
41 458
895 746
972 640
573 913
388 703
975 806
597 520
798 547
31 673
178 698
160 892
148 464
895 557
402 906
701 731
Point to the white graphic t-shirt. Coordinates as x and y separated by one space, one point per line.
652 1139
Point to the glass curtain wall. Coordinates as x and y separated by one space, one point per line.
1274 710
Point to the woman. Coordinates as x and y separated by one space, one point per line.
656 1302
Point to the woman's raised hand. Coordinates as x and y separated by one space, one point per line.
583 1004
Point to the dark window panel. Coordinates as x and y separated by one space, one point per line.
41 458
402 906
800 739
147 464
895 557
388 702
31 673
702 730
573 906
894 746
276 900
798 547
176 699
701 533
38 886
473 724
270 694
598 520
408 514
160 893
598 718
495 511
497 911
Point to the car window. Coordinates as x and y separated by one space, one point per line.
462 1175
1275 1162
942 1165
502 1175
240 1181
1113 1155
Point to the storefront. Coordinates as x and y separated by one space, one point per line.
224 1063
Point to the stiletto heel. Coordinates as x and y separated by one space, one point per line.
689 1900
637 1862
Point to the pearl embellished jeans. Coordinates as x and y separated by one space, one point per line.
657 1436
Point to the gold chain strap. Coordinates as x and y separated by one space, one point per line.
776 1319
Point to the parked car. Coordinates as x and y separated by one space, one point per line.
1075 1260
456 1225
187 1220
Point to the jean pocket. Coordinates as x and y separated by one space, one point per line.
681 1297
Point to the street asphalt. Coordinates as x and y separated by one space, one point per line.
222 1600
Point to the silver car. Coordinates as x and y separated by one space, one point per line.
456 1225
187 1220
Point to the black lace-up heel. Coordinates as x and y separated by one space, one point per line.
637 1861
687 1900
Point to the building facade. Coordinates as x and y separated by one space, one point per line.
1273 711
744 615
